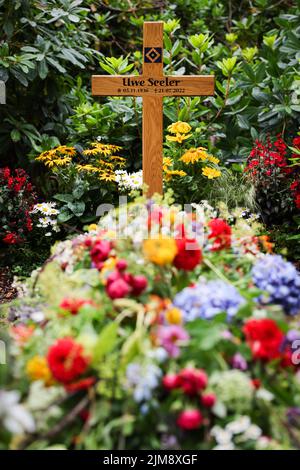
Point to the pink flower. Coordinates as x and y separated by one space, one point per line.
208 400
138 284
190 419
170 338
118 289
170 381
100 253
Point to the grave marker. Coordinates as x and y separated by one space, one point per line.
152 86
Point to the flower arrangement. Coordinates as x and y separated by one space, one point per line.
17 199
161 329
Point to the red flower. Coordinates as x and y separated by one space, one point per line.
100 252
296 142
208 400
190 419
66 360
192 380
118 289
11 239
74 305
221 233
82 384
264 338
171 381
189 254
138 284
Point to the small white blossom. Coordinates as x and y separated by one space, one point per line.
13 416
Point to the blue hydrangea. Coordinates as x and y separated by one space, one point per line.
281 280
207 299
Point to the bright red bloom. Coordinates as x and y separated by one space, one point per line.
220 233
208 400
66 360
171 381
189 254
264 338
296 142
11 239
256 383
190 419
74 305
82 384
192 381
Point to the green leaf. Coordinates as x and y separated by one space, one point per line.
77 207
105 342
64 197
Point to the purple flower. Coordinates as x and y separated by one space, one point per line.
207 299
239 362
281 280
170 338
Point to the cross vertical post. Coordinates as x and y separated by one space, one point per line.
152 86
153 109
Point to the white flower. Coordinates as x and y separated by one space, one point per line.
142 379
239 425
252 433
222 436
264 394
14 417
127 181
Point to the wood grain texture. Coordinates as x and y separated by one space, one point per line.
152 144
153 37
191 85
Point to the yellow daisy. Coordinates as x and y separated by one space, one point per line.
179 127
178 138
210 173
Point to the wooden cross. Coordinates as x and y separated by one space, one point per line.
152 85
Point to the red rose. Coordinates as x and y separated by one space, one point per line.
192 380
66 360
190 419
221 233
171 381
264 338
189 254
208 400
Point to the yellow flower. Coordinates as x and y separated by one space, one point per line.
174 316
167 161
107 176
170 173
179 127
178 138
160 251
65 150
214 160
104 149
210 173
37 369
92 227
88 168
194 155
